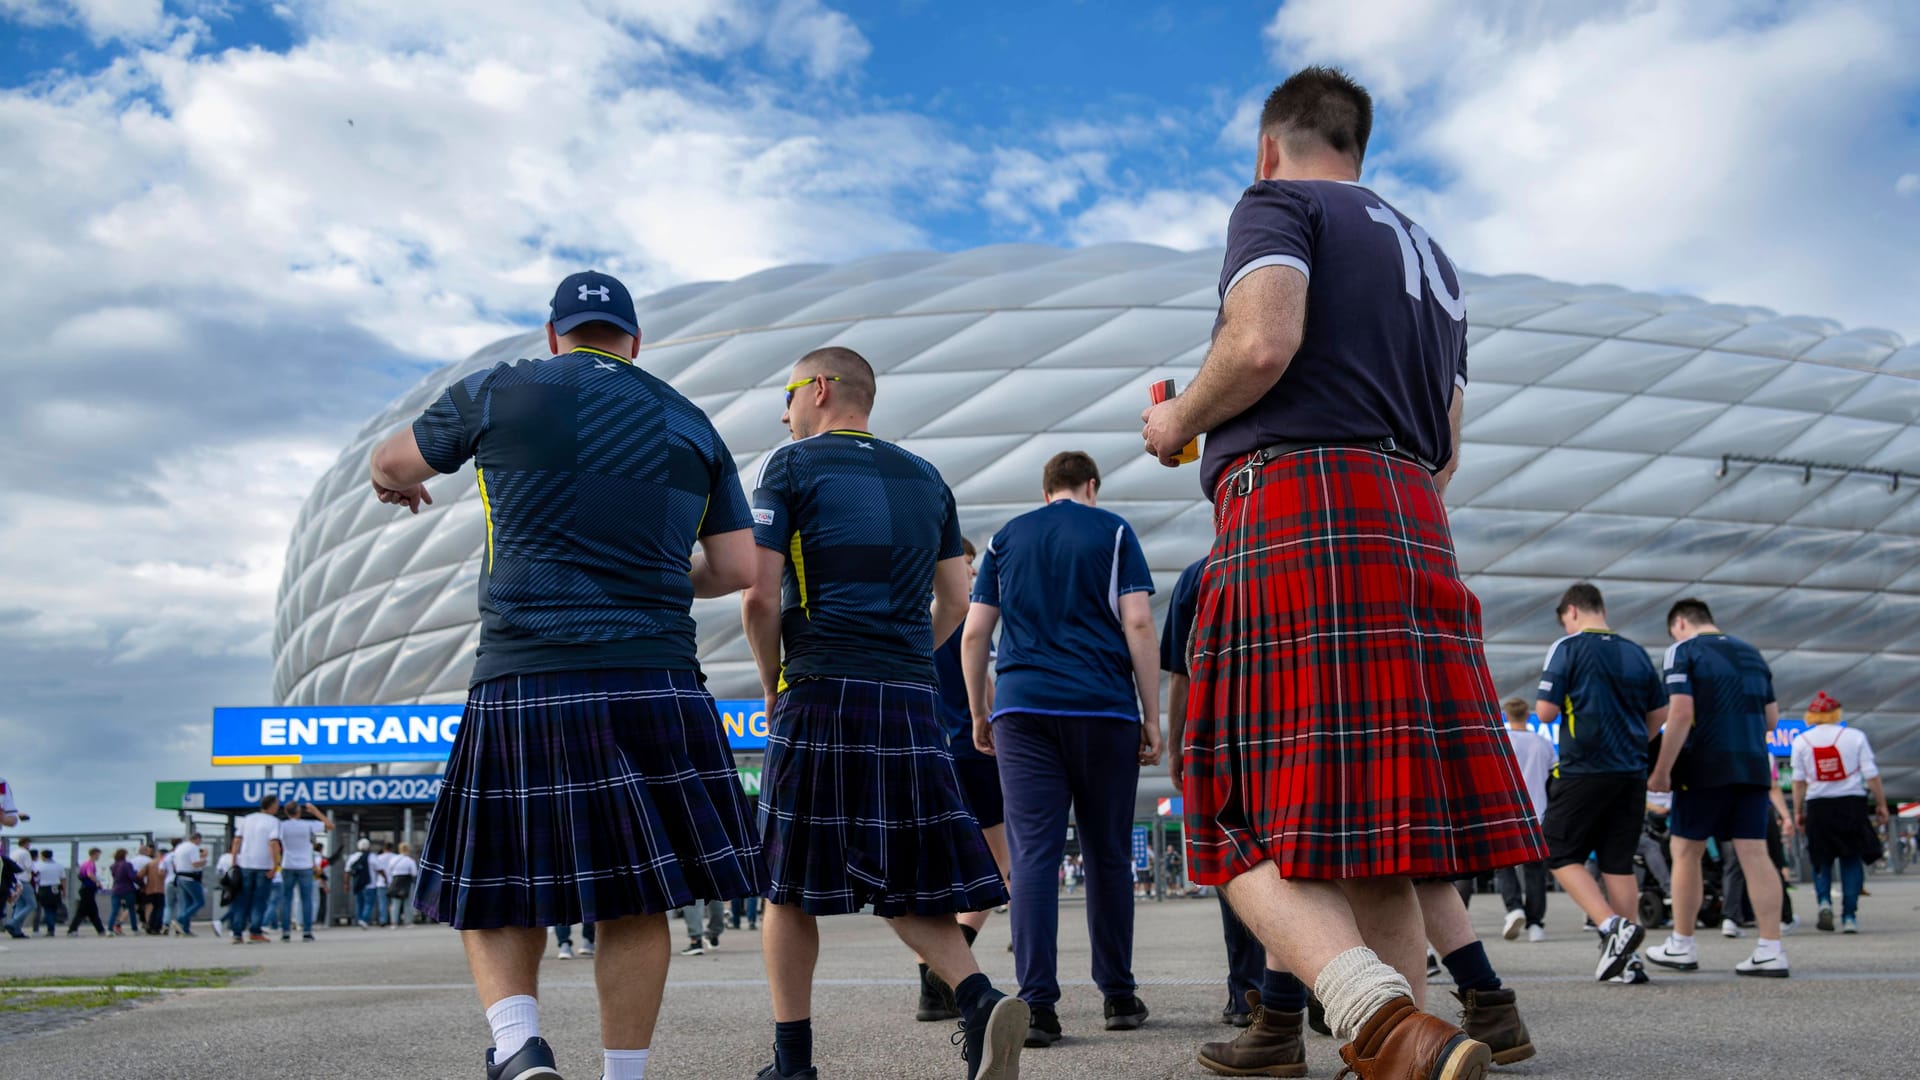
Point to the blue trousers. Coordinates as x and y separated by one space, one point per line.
252 909
1246 958
363 902
193 897
1046 764
1853 878
296 883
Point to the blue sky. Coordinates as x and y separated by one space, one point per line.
214 277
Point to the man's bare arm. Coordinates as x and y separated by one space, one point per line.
760 614
1261 325
400 471
976 653
1454 412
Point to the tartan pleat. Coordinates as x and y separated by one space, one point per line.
860 805
586 796
1341 720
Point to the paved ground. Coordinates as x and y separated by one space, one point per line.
373 1004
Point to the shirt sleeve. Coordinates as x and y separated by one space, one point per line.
950 539
1801 758
1274 225
1180 613
1132 575
726 503
1680 670
772 516
986 579
1869 768
6 799
450 429
1553 676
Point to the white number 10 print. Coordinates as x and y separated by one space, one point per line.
1414 263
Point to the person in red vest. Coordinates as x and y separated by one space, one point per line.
1833 770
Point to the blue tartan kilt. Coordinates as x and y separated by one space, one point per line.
860 806
586 796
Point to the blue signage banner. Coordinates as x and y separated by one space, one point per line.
365 734
1780 739
322 791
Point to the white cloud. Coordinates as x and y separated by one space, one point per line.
103 20
824 42
1024 186
1908 184
1177 219
1655 144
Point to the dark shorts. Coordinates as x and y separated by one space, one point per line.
979 777
1737 812
1839 827
1589 814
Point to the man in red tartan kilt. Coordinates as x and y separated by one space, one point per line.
1342 742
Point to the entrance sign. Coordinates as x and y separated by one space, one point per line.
233 796
367 734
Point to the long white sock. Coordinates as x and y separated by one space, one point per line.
1354 985
1764 949
624 1065
514 1020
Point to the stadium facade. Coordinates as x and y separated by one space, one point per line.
1638 440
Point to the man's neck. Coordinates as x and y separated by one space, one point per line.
1067 496
1329 166
1518 725
847 421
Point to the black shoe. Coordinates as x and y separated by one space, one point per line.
1043 1028
1236 1019
1317 1016
936 1000
992 1046
772 1072
12 933
1125 1014
533 1059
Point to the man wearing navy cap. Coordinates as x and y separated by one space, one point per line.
590 781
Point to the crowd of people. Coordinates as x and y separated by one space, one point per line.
937 716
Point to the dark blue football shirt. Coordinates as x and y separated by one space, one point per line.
596 479
1057 575
1731 686
1605 686
950 697
1181 610
862 523
1385 343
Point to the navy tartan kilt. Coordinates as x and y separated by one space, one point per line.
859 805
586 796
1341 722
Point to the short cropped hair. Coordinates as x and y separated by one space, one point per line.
1583 596
267 803
1693 610
966 545
1320 105
852 369
1068 471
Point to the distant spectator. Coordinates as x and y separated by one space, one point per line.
189 863
563 940
24 902
715 912
9 813
126 891
299 834
256 851
382 880
51 879
360 876
87 908
170 910
229 878
153 892
1833 770
400 874
1524 888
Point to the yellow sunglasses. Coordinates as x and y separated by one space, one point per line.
792 386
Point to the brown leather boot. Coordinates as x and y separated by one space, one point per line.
1492 1017
1270 1046
1399 1042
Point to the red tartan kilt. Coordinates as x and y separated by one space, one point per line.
1341 720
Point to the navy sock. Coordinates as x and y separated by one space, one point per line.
974 993
1281 991
792 1045
1470 968
969 933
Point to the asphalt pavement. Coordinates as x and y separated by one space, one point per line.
396 1003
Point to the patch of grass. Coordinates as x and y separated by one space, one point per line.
165 979
96 998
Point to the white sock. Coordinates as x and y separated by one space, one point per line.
624 1065
1766 950
1353 986
1612 922
514 1020
1680 941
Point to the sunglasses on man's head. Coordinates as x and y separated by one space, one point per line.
792 386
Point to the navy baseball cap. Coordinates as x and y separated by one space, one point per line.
591 296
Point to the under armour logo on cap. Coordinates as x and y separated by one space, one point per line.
591 296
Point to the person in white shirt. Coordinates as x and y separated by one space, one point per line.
51 879
400 874
382 880
298 834
361 879
171 907
229 897
256 851
1833 770
9 813
24 902
1524 888
188 864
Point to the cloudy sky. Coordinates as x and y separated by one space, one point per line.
233 230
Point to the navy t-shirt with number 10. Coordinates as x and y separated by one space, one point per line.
1057 575
1385 342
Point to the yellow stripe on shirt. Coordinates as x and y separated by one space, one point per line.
486 507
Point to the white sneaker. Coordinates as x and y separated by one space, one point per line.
586 950
1616 948
1729 928
566 952
1669 954
1516 922
1536 933
1771 967
1789 927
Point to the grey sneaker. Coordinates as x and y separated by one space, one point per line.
534 1059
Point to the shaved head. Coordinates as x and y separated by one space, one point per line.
852 369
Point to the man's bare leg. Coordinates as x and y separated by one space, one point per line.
996 838
630 973
1584 891
790 947
1687 884
938 939
505 963
1444 917
1388 915
1764 890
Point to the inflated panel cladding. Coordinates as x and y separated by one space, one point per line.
1597 418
